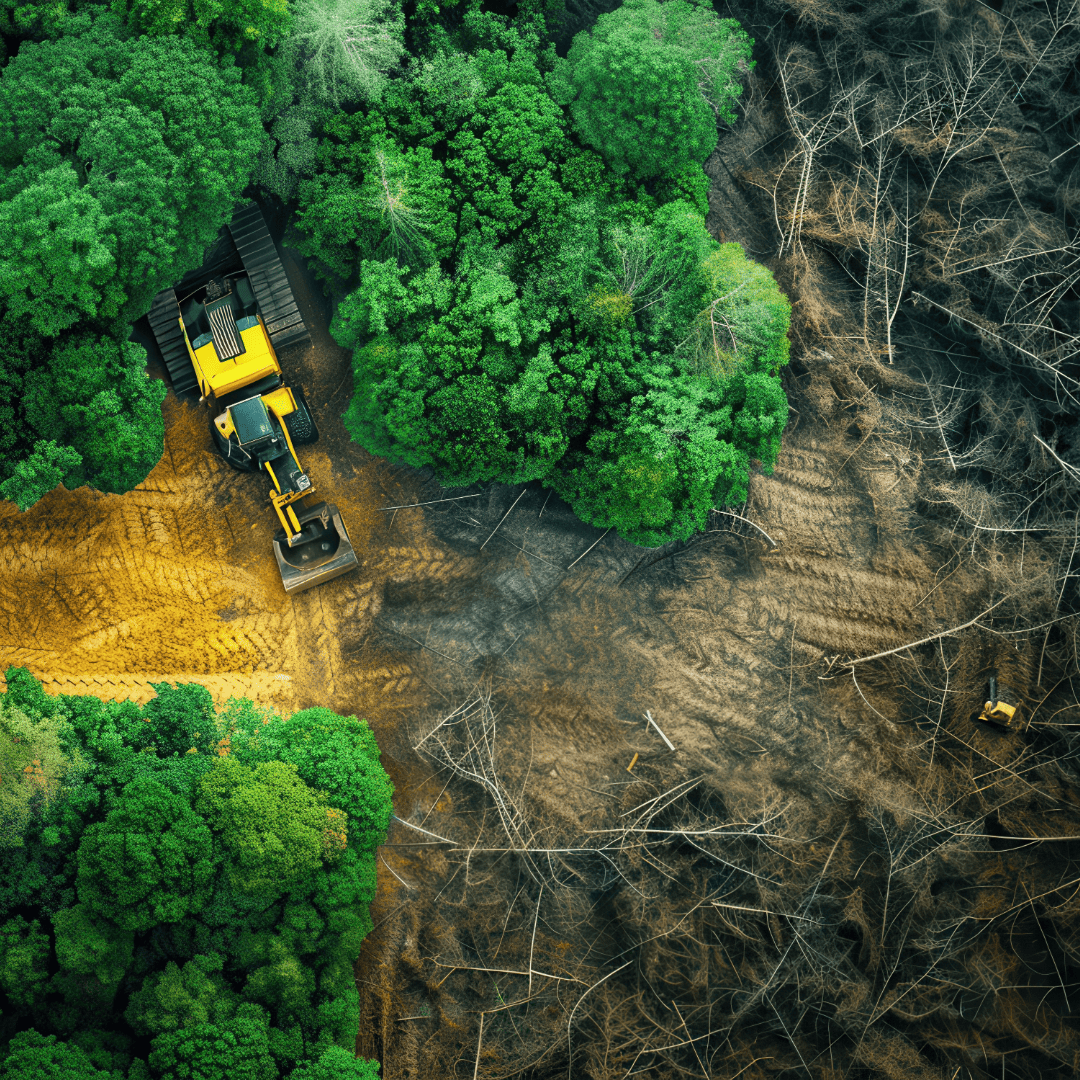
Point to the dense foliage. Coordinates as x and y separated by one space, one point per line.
182 894
225 25
78 410
120 157
521 310
648 82
337 53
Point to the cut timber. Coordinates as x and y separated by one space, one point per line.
272 291
165 323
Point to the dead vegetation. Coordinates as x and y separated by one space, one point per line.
837 872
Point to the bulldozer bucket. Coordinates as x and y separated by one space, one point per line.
324 552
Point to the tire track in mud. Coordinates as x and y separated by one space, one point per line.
176 582
711 635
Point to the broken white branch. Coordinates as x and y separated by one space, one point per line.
667 741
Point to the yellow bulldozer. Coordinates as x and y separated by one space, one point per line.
997 711
219 331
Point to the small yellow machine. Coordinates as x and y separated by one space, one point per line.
215 338
995 711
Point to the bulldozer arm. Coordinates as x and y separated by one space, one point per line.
320 552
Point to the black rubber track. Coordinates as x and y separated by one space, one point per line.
268 279
165 323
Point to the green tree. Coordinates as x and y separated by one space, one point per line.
273 827
647 83
225 25
289 155
180 718
151 860
137 148
216 951
39 473
336 1064
182 998
57 255
33 768
573 329
32 1056
89 944
33 18
337 754
637 375
107 1050
375 201
93 397
24 957
26 694
236 1051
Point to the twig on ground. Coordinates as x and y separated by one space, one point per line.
667 742
426 832
504 517
479 1043
411 506
570 1022
925 640
731 513
587 550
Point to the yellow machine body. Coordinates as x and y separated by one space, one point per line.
220 377
219 330
997 712
280 403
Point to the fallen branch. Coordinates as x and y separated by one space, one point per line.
925 640
570 1022
504 517
667 741
426 832
731 513
479 1043
507 971
587 550
1075 473
410 506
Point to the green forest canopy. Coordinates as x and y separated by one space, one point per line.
202 879
120 157
522 308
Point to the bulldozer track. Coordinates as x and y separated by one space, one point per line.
165 323
256 248
107 594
